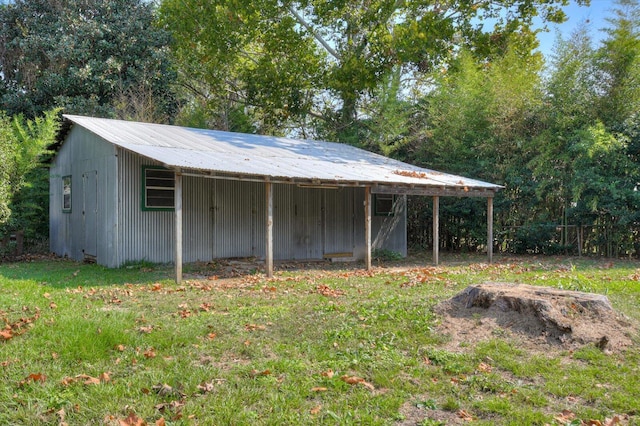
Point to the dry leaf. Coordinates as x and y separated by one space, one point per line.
464 415
613 421
328 291
88 380
61 414
484 367
329 373
149 353
211 336
315 410
565 417
252 327
173 405
120 348
354 380
255 373
160 422
6 334
319 389
34 377
206 387
164 389
132 420
205 307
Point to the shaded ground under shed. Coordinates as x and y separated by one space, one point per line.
535 316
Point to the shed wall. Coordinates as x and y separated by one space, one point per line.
90 228
387 232
222 218
144 235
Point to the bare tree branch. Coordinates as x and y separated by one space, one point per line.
317 36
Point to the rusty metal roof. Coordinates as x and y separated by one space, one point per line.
246 156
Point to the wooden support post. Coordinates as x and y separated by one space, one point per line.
269 252
579 237
490 229
436 230
367 226
178 224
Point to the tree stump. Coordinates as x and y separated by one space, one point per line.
540 313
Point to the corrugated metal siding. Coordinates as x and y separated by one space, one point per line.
197 219
234 218
297 222
338 220
144 235
84 152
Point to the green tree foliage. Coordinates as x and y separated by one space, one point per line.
478 122
585 162
24 143
303 61
618 63
570 99
89 57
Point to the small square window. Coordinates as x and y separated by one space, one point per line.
159 188
383 204
66 194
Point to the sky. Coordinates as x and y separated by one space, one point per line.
594 15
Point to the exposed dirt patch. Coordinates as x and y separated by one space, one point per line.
414 415
540 318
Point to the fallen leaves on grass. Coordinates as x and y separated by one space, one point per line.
185 313
17 327
329 373
206 307
175 406
206 387
565 417
417 276
149 353
254 327
256 373
568 417
33 377
327 291
132 420
465 415
484 367
6 334
85 379
355 380
164 389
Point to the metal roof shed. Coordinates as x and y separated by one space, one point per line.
269 160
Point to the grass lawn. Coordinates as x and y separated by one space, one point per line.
85 345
